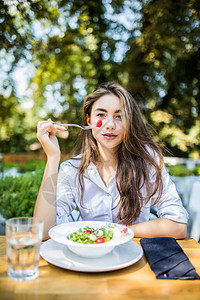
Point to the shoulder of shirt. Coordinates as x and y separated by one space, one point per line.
73 162
151 151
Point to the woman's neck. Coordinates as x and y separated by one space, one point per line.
106 168
107 159
106 164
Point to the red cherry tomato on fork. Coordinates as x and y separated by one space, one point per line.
87 231
99 123
100 240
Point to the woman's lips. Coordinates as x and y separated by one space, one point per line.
109 136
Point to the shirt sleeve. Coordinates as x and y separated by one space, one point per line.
170 205
65 202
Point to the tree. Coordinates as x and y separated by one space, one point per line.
163 66
17 35
73 46
69 44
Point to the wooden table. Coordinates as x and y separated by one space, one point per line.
134 282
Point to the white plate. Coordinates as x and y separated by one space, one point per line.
120 257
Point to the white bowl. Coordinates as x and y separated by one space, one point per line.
60 232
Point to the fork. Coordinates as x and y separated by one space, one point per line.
98 124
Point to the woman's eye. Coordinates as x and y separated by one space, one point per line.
118 117
100 115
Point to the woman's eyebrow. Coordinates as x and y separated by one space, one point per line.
101 109
104 110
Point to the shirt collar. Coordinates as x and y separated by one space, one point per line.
93 174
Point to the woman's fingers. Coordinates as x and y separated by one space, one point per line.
46 134
44 128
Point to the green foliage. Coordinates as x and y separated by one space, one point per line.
69 61
9 165
16 132
163 67
21 16
178 170
18 194
30 166
196 171
17 39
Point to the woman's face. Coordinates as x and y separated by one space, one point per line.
108 108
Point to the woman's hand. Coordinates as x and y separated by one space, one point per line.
46 134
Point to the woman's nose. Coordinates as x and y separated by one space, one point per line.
110 123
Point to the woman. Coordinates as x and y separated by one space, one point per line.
118 174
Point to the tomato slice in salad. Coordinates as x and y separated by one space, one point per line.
87 231
100 240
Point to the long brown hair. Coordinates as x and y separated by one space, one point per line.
139 157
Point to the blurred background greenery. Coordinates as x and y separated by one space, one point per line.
53 53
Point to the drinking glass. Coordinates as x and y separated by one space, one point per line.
23 237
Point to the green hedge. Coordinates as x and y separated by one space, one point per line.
31 165
178 170
181 171
18 194
196 171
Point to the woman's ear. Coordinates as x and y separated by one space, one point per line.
88 119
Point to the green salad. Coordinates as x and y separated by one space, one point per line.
89 235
